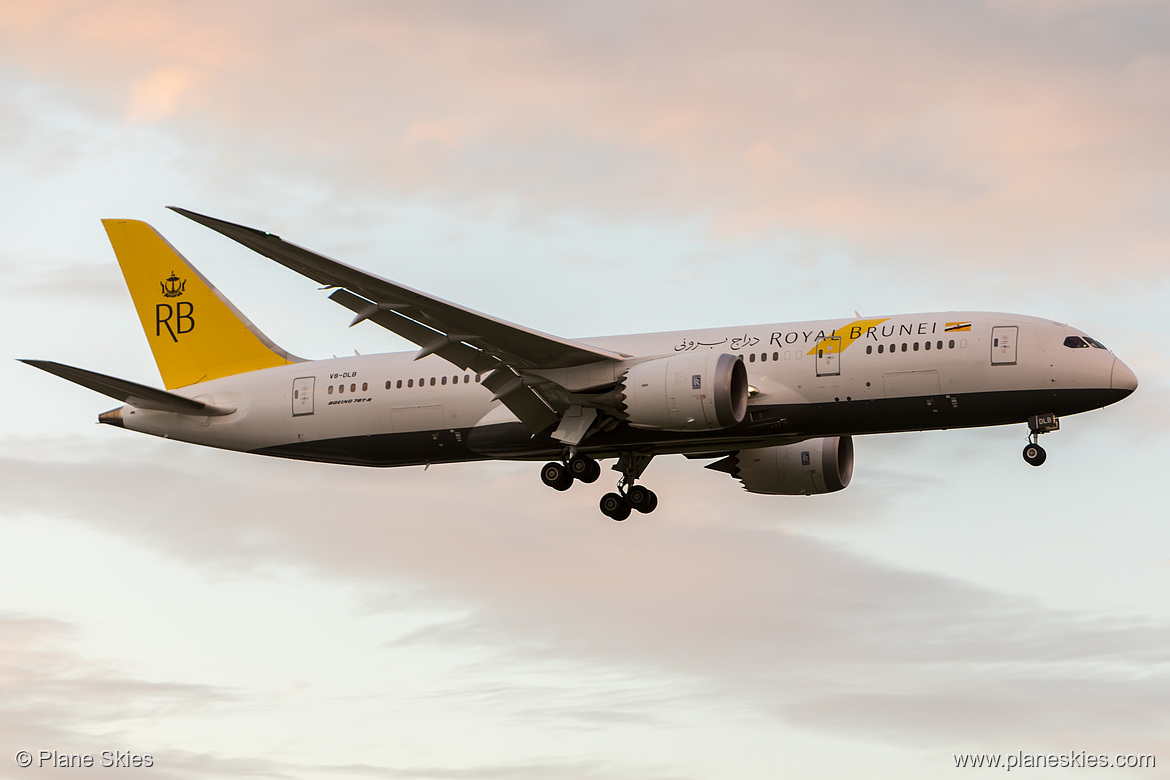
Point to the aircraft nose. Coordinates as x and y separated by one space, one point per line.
1123 381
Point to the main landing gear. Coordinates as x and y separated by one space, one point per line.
560 476
617 506
638 498
1034 454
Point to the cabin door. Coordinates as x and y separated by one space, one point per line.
829 357
302 395
1003 345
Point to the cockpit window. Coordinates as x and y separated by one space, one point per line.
1083 342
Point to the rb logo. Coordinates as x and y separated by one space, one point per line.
182 314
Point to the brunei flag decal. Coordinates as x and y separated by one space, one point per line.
957 326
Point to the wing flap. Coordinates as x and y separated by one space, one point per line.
431 340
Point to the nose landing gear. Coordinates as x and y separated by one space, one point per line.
1034 454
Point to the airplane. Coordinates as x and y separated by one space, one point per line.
773 405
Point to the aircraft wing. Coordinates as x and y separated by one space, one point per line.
424 319
466 338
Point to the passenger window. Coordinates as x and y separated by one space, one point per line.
432 381
927 345
410 383
893 348
330 390
444 379
903 346
869 349
915 346
940 345
775 356
881 348
387 384
398 385
752 358
353 387
951 344
763 357
341 388
365 386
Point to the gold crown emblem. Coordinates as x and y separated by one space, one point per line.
173 286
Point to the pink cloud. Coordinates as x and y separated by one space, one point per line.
962 133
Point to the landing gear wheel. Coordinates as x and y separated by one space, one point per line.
1034 454
614 507
642 499
556 476
584 469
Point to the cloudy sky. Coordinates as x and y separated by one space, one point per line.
586 169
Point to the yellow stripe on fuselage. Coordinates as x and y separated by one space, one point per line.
847 334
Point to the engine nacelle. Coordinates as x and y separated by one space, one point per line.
801 469
696 391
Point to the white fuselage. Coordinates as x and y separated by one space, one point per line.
907 372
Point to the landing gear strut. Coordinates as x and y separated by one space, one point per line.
1034 454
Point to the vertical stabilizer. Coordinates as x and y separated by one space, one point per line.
195 333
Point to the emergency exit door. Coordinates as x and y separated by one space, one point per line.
1003 345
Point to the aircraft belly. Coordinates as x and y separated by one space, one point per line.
415 448
768 424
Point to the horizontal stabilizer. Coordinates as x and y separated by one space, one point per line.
132 393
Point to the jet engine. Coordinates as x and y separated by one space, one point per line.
696 391
801 469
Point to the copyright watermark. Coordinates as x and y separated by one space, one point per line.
107 759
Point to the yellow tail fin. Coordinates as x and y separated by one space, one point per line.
195 333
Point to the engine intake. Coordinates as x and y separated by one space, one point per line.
801 469
697 391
